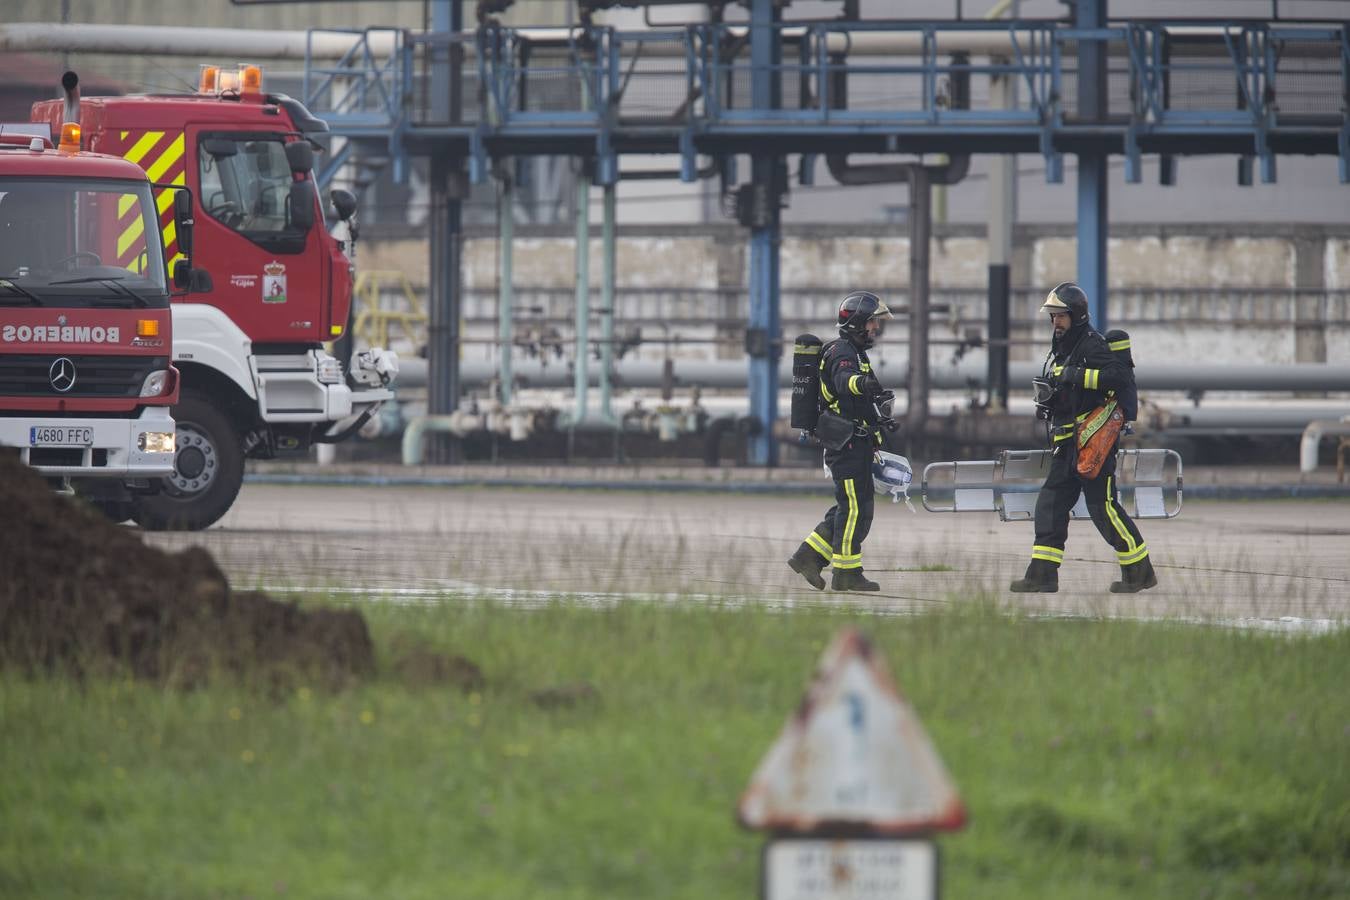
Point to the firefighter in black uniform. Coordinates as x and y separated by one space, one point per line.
849 388
1080 374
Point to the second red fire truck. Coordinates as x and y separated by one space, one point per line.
256 377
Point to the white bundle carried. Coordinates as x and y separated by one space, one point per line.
892 474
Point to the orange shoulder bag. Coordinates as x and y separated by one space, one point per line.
1097 437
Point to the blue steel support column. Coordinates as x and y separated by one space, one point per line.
1092 198
762 337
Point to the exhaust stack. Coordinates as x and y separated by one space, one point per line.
70 82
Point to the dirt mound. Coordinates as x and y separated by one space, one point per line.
79 593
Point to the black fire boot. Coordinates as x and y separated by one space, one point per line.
1042 578
851 580
807 563
1135 577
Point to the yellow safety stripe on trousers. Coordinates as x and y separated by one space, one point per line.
1049 554
1091 377
1130 557
1130 544
820 545
846 545
1120 345
847 562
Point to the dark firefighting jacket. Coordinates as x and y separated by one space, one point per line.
1087 375
849 388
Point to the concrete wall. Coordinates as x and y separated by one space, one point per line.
1201 293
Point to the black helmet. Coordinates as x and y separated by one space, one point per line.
1067 297
855 311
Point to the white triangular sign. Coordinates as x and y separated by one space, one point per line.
853 756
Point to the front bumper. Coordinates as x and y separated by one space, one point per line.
112 453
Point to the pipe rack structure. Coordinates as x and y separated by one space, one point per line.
729 98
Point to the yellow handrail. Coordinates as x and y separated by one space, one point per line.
372 323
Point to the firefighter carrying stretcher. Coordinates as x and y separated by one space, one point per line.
1083 387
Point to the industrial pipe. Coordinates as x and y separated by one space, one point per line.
1312 436
969 374
246 43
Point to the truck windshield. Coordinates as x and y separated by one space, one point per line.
80 242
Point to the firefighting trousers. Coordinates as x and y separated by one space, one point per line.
1056 501
839 536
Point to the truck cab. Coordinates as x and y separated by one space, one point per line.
86 379
257 378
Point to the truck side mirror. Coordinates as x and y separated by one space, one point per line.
300 155
183 221
194 281
344 201
301 202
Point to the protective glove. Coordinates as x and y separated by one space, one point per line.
890 424
1069 375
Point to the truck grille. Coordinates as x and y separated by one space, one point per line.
95 376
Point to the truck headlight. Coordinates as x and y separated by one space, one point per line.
155 442
329 370
156 383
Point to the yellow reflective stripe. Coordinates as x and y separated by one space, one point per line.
1130 557
1091 377
846 545
853 386
865 367
1063 437
130 235
1116 523
825 392
846 562
166 159
1083 416
165 198
142 147
819 545
1057 370
807 349
1049 554
1120 345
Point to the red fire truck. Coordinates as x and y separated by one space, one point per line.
256 378
86 381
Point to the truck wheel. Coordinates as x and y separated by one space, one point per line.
208 470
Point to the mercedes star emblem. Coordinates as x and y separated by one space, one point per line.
62 375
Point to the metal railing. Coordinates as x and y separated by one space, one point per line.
1238 87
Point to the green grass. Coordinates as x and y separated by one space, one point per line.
1097 759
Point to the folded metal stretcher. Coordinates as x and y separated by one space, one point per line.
1148 483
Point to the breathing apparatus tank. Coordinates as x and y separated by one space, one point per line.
806 381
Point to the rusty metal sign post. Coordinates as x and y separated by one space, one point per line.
852 791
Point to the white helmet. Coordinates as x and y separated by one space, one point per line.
892 474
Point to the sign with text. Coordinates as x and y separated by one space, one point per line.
809 869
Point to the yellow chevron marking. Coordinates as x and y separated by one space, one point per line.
167 159
128 237
143 146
